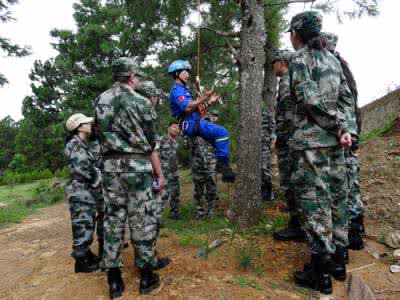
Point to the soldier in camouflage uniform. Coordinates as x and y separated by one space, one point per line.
126 122
169 164
284 130
321 94
83 193
268 136
356 224
203 173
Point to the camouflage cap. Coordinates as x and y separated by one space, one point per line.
331 40
281 55
125 66
148 89
214 112
307 24
76 120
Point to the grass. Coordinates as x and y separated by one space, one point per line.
23 200
246 282
380 131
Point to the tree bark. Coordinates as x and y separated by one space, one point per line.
245 209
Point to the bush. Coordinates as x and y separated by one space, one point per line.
11 178
47 192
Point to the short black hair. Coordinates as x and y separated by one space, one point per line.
172 123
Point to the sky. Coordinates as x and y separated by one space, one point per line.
370 45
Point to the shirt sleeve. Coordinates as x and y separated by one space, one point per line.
307 92
181 98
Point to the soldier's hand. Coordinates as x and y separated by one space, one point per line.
161 182
345 140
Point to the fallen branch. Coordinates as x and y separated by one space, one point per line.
360 268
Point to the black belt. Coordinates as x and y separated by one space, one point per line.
126 155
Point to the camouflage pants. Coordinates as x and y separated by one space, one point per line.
319 180
172 192
266 152
100 217
353 177
285 164
83 221
129 196
205 188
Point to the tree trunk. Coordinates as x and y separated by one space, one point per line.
245 208
269 88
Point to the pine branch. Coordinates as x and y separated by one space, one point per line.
227 34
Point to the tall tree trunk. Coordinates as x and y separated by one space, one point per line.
269 88
245 208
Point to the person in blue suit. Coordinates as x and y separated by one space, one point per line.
185 108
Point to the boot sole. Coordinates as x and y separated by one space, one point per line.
115 295
87 271
356 247
149 289
339 277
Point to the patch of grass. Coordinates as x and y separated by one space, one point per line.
246 282
248 254
380 131
23 200
267 226
190 240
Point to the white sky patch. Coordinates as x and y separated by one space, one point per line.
370 45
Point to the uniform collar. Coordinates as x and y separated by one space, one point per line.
82 143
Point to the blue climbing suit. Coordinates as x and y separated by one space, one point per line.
179 97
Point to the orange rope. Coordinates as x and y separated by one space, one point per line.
198 42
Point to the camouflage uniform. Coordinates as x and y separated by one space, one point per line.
284 129
169 166
83 197
267 135
126 123
203 172
321 94
354 119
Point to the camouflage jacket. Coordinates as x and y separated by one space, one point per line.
284 111
321 95
203 155
268 125
126 122
167 149
85 176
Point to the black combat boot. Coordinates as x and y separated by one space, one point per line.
355 240
316 276
92 257
86 265
115 283
337 268
162 262
148 280
266 192
293 232
223 166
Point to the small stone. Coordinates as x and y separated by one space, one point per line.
226 231
395 268
393 239
396 254
376 255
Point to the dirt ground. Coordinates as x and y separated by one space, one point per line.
35 257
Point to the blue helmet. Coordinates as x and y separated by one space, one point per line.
179 65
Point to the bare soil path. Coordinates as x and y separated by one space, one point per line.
35 264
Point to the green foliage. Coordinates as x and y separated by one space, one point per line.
47 193
248 255
24 199
246 282
11 178
7 47
18 164
8 133
379 131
